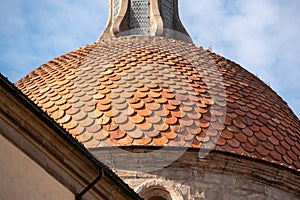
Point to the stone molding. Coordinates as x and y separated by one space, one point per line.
169 186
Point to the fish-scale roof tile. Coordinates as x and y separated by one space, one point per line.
154 91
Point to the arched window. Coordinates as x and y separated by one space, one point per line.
156 189
156 194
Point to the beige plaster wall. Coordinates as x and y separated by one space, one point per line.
216 177
22 178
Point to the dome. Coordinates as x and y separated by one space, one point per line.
155 91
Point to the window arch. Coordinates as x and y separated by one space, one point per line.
156 189
156 194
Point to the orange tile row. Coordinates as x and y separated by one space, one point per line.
155 91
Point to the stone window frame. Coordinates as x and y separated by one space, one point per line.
163 188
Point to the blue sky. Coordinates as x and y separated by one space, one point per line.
261 35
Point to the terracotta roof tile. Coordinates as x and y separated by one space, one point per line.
152 93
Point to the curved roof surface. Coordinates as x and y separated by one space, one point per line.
152 91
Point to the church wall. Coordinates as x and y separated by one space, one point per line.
22 178
217 176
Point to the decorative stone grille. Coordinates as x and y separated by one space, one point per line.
116 8
166 10
139 17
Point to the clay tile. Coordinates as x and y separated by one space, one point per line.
262 120
153 106
111 113
262 151
104 101
217 113
117 134
233 143
152 134
239 112
217 125
287 159
144 112
125 141
134 100
240 137
266 116
138 105
137 119
154 119
70 125
228 121
162 112
246 120
276 156
168 95
171 120
104 91
94 128
84 137
226 134
161 127
260 136
280 150
48 105
103 107
101 135
292 155
196 143
77 131
154 95
202 138
148 100
254 128
56 115
285 145
250 115
127 95
160 141
178 113
248 147
297 164
233 129
120 107
238 123
161 100
268 145
248 132
186 122
140 95
112 126
92 143
142 141
88 108
169 134
186 108
103 120
170 107
211 132
295 150
86 122
136 133
289 141
194 115
220 141
65 119
232 115
266 130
